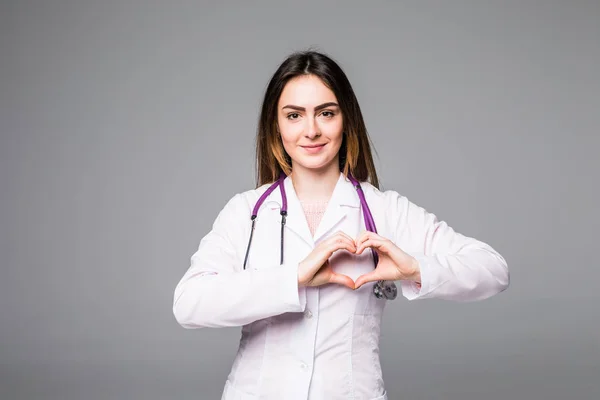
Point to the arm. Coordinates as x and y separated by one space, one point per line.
217 292
452 266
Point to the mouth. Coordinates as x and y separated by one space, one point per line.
313 148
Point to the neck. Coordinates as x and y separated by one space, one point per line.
314 185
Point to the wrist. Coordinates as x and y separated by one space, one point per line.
301 279
415 275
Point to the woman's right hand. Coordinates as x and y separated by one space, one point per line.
315 269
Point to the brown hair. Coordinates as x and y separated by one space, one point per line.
355 153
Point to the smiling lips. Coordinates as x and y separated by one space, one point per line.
313 148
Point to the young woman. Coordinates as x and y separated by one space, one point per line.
306 262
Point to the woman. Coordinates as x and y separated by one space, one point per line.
303 290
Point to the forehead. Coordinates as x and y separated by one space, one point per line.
306 91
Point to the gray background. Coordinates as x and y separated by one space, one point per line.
127 125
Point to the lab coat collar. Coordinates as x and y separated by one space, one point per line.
344 196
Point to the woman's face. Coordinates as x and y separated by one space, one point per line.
310 123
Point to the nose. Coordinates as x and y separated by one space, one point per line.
312 129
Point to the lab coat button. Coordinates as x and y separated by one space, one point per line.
308 314
303 366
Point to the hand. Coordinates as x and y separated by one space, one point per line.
315 269
394 264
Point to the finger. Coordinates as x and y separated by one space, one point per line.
326 248
341 242
374 243
344 245
369 236
372 276
342 234
366 235
338 236
342 280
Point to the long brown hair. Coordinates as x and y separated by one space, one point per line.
355 153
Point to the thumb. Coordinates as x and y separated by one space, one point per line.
368 277
342 280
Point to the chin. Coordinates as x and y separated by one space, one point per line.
314 164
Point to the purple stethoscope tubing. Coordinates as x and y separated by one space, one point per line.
382 289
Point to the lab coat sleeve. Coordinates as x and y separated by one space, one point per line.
452 266
216 291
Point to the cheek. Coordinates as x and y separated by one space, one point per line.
288 139
290 133
334 131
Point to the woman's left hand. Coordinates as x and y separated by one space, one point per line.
394 264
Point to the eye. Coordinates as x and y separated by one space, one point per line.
293 116
328 114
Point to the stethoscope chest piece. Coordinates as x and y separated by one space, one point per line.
386 289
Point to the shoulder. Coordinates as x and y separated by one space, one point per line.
396 205
384 198
242 203
403 220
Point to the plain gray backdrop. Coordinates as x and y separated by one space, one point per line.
127 125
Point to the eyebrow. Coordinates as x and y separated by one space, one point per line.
317 108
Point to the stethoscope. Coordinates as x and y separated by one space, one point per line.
382 289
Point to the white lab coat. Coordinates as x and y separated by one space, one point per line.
319 342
